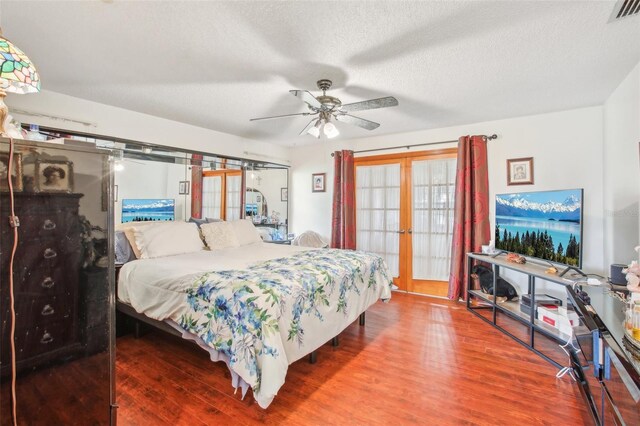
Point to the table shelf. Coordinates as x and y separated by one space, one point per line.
512 309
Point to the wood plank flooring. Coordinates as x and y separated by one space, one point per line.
418 360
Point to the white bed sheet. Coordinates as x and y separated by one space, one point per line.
156 287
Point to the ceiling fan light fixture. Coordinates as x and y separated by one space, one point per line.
330 130
315 130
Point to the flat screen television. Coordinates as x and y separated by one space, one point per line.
545 225
148 210
251 209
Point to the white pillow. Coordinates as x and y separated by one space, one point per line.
246 232
167 239
219 235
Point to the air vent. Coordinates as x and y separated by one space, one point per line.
624 8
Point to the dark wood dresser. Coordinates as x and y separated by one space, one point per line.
46 278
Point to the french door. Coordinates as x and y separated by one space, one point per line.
222 194
404 212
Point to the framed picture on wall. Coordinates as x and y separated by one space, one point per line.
318 182
184 187
284 194
520 171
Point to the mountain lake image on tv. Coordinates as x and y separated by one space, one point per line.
546 225
148 210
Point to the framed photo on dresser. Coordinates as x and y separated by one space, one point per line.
53 176
16 172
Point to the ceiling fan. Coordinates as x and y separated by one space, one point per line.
324 108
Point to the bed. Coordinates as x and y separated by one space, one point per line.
258 307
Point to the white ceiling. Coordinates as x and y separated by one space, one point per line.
217 64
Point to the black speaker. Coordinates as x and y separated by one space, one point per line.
617 276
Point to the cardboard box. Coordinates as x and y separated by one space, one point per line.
560 318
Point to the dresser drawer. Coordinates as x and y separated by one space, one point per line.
54 226
36 341
39 311
51 255
45 281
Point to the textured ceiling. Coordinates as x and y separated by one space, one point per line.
217 64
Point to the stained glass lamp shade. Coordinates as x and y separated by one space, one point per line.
17 75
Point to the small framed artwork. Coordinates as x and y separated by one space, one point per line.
520 171
318 182
184 187
16 172
284 194
53 176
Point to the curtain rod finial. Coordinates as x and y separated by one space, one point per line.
493 136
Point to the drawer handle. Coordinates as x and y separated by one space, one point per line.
46 338
48 283
49 225
47 310
50 253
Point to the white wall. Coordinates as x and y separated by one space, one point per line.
567 151
119 122
622 170
272 181
152 179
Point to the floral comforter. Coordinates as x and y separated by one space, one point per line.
267 316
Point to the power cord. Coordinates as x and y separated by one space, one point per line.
14 222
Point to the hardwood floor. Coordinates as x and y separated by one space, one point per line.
417 360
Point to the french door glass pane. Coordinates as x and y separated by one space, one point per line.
378 212
433 189
211 196
234 184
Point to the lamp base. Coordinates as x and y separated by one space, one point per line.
4 112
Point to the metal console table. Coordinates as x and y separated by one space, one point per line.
512 309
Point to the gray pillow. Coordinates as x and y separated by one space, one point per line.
198 222
124 252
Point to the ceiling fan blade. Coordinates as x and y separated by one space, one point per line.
357 121
308 126
280 116
389 101
307 97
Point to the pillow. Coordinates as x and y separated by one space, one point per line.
167 239
123 249
212 220
128 229
198 222
265 233
245 232
219 235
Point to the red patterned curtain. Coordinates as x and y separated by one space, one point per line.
471 220
196 186
343 229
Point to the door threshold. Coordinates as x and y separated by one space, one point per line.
421 294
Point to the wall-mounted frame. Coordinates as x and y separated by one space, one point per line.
284 194
184 187
16 172
53 176
318 183
520 171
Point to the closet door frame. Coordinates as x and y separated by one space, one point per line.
405 279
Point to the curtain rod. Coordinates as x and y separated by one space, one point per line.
488 138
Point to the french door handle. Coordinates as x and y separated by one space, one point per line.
401 231
410 231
